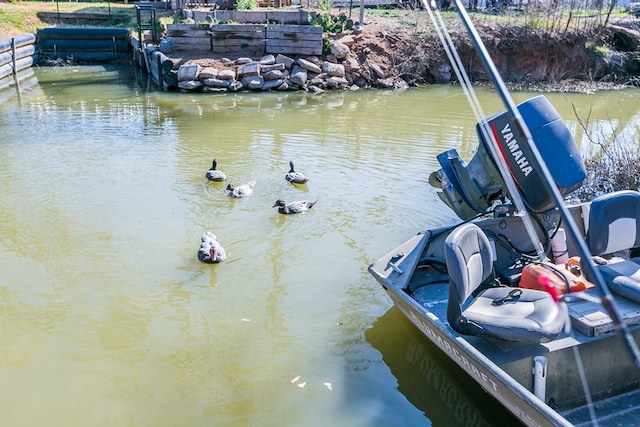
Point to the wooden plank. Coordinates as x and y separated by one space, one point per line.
184 42
236 36
204 34
300 17
309 29
81 16
257 28
293 33
293 37
232 44
350 3
231 33
295 44
289 51
254 16
241 16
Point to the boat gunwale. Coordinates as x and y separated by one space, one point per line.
511 389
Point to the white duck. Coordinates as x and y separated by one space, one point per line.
211 251
295 177
241 190
213 174
294 207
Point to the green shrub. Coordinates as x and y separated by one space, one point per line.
246 4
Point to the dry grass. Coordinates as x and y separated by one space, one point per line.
20 17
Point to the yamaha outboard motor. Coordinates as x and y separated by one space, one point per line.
472 188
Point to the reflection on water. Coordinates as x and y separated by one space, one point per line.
109 319
431 381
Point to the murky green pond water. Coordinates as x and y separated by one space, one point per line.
107 317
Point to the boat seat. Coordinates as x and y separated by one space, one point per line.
475 308
613 230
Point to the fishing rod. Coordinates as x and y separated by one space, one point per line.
606 299
501 162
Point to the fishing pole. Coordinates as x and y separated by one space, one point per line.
606 299
501 163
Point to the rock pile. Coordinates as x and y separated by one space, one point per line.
338 70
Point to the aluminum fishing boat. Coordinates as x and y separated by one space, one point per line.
510 296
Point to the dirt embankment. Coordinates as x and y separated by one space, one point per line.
523 55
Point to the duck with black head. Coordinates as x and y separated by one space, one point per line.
211 251
294 176
294 207
213 174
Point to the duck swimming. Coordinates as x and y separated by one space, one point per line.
295 177
213 174
293 207
211 252
241 190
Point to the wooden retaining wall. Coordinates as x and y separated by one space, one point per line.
297 17
81 18
17 53
247 39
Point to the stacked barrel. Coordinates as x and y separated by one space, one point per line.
84 44
17 53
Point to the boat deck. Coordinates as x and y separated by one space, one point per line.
588 355
621 410
591 339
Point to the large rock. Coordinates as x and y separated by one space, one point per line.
190 85
351 65
252 82
309 66
298 76
219 83
211 89
267 68
207 73
334 70
235 86
267 60
272 84
283 59
377 70
249 69
227 75
338 49
273 75
339 81
188 72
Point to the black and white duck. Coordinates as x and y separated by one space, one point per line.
211 251
294 207
241 190
295 177
214 174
